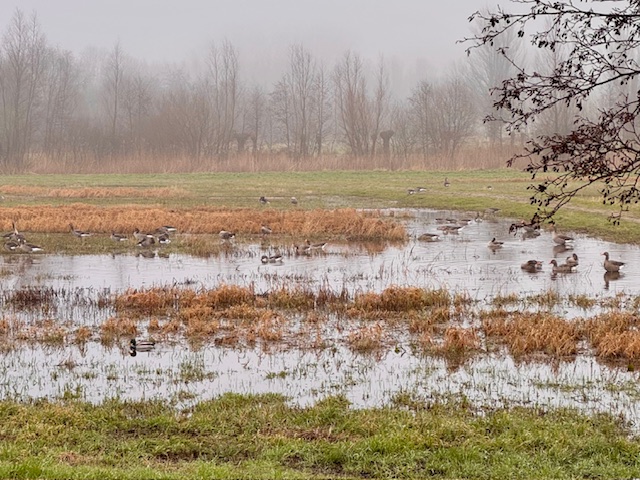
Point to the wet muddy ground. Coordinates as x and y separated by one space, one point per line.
460 262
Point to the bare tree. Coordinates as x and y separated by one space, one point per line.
601 149
22 66
421 104
137 104
113 77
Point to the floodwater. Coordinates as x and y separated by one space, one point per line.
461 263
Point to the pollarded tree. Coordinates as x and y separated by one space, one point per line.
602 148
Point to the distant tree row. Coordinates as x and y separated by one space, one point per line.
58 106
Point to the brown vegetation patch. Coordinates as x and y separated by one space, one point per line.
401 299
615 335
527 333
366 339
348 223
90 192
117 327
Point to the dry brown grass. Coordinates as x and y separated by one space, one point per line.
615 335
367 338
347 223
90 192
115 327
527 333
400 299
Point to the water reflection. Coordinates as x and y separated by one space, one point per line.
458 259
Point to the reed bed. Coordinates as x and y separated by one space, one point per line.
615 335
347 223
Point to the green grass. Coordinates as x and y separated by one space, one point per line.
331 189
261 436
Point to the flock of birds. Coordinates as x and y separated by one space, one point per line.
528 230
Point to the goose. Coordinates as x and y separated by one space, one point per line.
79 233
118 237
495 243
611 265
446 182
265 230
166 229
294 201
315 246
14 235
263 200
226 235
564 268
271 258
572 260
411 191
531 266
140 346
147 241
559 238
421 189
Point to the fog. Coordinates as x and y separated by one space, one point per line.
418 36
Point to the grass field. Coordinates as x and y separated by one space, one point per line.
172 195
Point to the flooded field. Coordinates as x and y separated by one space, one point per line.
461 262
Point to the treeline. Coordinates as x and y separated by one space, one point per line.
79 113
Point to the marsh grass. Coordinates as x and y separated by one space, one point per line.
260 436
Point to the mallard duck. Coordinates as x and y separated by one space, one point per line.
140 346
611 265
79 233
558 238
531 266
118 237
271 258
226 235
564 268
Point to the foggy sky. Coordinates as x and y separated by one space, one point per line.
420 34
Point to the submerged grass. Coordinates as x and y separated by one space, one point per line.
262 436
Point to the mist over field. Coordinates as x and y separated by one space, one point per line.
154 86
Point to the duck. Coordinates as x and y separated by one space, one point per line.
302 250
564 268
79 233
140 346
271 258
429 237
572 260
531 266
315 246
118 237
263 200
11 245
147 241
495 243
226 235
265 230
163 239
138 235
558 238
29 247
611 265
